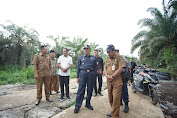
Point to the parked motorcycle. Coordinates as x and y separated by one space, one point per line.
145 84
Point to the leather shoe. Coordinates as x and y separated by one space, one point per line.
76 110
101 94
89 107
95 95
37 102
109 115
49 100
126 109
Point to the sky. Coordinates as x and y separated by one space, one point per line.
101 21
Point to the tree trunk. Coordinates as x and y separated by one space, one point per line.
22 58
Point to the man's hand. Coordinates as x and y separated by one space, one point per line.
77 80
36 77
110 79
64 69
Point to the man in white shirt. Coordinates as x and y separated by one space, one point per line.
64 63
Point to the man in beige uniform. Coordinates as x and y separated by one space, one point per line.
113 68
54 81
42 63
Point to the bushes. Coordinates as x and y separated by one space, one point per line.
73 73
13 75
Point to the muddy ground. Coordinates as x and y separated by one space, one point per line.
18 101
167 91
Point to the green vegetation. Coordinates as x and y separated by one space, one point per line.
158 42
14 75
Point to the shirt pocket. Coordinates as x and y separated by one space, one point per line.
83 61
108 64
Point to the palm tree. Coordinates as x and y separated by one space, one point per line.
21 38
75 47
59 44
161 33
172 4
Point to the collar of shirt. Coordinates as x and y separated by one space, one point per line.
42 54
113 57
86 55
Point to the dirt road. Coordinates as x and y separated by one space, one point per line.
18 101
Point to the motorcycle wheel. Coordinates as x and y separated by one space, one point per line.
153 96
133 87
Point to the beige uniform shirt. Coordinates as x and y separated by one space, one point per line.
43 63
116 61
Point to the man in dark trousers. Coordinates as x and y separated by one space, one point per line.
64 63
133 65
99 72
124 93
86 71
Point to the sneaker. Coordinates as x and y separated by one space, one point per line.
61 99
126 109
68 98
49 100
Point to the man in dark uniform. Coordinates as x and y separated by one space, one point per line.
133 65
124 93
42 67
99 72
112 69
86 71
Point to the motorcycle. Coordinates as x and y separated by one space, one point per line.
145 84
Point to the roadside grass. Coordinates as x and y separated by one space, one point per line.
15 75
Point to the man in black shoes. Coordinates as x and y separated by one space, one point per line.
99 69
86 71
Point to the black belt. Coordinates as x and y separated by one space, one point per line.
87 70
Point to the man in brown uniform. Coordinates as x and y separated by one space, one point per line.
113 68
54 81
42 63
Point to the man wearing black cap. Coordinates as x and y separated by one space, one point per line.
86 71
113 68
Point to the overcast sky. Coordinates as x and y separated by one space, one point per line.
101 21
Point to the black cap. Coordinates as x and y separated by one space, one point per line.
52 51
110 47
86 47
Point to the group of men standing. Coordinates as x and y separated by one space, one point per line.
52 73
89 68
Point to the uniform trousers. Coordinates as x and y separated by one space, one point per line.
39 83
86 79
114 95
100 80
54 83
